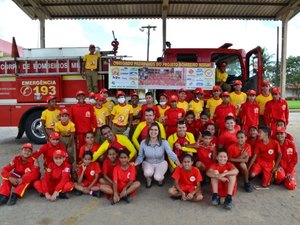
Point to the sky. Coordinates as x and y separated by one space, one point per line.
181 33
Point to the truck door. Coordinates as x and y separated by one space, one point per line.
254 70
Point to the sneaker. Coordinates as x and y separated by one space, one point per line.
63 196
248 187
13 199
160 183
78 193
3 199
228 202
215 200
96 194
126 199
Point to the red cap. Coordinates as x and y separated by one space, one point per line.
182 90
99 97
275 90
120 93
251 92
210 122
280 129
92 95
173 98
55 135
164 94
64 111
103 90
134 94
50 97
198 91
80 92
266 83
59 153
225 93
237 82
216 88
92 46
27 145
223 64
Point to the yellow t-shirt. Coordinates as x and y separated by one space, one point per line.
212 104
162 110
101 115
65 130
121 114
91 61
238 99
109 105
50 117
196 107
221 77
136 112
262 100
184 105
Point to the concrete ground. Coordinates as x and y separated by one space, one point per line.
152 206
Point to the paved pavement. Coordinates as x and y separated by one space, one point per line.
152 206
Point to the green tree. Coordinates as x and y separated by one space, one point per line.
293 73
269 68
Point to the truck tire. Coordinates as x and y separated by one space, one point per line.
33 128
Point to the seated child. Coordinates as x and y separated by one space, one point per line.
57 179
88 176
266 152
223 180
20 174
124 182
239 154
187 181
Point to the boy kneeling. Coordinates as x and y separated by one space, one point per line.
223 180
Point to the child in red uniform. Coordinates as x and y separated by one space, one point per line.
48 149
206 152
88 176
223 180
266 158
281 123
89 145
202 122
252 138
57 179
228 136
286 172
212 128
187 181
20 174
239 154
124 182
191 124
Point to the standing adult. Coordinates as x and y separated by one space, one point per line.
90 69
152 156
262 99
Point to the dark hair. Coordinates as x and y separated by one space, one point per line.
112 148
265 129
229 118
149 93
104 127
87 153
159 139
124 151
205 112
187 155
150 110
190 112
241 132
206 133
220 150
278 121
90 132
214 125
181 122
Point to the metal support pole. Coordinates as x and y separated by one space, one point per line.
148 40
42 33
164 32
283 56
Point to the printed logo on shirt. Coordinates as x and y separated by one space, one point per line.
128 175
256 110
88 114
283 107
179 115
126 110
192 178
230 114
48 170
289 151
271 151
27 170
67 170
210 155
92 173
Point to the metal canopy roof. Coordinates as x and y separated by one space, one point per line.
194 9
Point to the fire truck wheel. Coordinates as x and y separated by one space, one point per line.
33 128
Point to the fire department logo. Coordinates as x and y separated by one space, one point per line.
128 175
92 173
192 178
27 170
256 110
126 110
26 90
230 114
289 151
271 151
283 107
179 115
210 155
121 119
67 170
88 114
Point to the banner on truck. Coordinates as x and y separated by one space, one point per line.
161 75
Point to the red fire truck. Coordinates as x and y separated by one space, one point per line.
26 82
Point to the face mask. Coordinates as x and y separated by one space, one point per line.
92 101
163 103
121 100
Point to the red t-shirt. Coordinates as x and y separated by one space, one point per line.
90 172
93 149
234 151
84 117
249 115
222 168
221 112
187 178
267 152
108 167
228 138
205 154
122 176
289 156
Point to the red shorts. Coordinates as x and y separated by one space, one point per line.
265 168
223 189
188 188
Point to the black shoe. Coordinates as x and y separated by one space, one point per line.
63 196
3 199
42 195
176 197
215 199
126 199
13 199
228 202
248 187
149 185
160 183
112 202
78 193
96 194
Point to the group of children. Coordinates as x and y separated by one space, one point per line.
87 148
